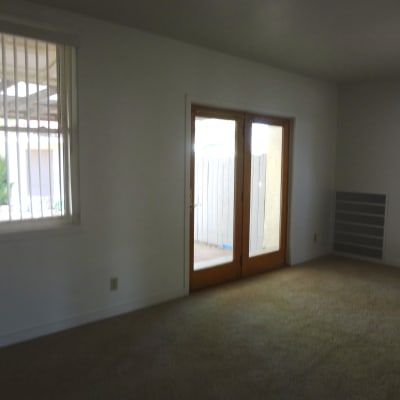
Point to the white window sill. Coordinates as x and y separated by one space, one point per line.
42 229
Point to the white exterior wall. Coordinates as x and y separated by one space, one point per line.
273 184
20 200
133 187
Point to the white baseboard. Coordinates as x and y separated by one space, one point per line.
34 332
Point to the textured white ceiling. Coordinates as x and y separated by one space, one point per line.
340 40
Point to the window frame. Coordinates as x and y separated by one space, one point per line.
68 119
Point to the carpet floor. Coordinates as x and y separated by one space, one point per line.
325 329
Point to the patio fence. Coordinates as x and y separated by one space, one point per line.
214 201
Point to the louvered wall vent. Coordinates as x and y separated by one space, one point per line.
359 224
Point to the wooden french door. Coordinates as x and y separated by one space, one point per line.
238 195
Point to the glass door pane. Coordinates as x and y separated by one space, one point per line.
214 192
265 188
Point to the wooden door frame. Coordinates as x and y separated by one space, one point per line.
257 264
286 122
230 271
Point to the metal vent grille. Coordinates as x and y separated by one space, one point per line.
359 224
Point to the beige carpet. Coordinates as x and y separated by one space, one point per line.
328 329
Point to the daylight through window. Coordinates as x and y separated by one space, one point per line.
36 124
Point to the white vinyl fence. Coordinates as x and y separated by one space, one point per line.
214 201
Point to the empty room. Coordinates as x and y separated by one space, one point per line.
199 199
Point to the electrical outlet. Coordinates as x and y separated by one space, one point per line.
113 283
315 238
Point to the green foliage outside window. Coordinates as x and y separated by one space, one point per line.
3 182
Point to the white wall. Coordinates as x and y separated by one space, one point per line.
368 149
132 89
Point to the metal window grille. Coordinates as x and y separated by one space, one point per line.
35 129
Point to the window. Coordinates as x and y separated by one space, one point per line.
37 132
